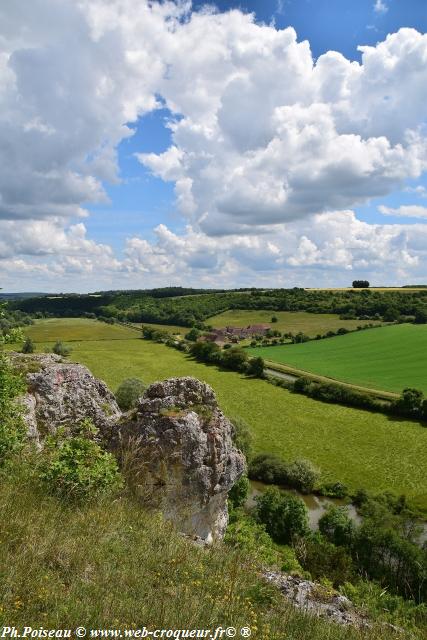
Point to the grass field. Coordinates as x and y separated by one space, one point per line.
360 448
389 358
170 328
75 329
287 321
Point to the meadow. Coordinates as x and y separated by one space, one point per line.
360 448
287 321
389 358
75 329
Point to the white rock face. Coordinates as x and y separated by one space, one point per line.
191 462
62 394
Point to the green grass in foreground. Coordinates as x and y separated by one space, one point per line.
360 448
287 321
75 329
115 566
389 358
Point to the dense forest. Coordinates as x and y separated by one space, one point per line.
186 308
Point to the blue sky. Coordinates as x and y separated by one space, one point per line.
155 157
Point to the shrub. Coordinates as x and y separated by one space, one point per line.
77 468
12 427
61 349
256 367
337 527
324 560
334 490
128 392
302 475
28 346
268 468
251 537
235 359
192 335
238 493
284 516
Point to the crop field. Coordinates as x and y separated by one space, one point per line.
360 448
287 321
76 329
389 358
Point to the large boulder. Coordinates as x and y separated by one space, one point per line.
62 394
189 461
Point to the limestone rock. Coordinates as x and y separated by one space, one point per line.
190 462
62 394
313 598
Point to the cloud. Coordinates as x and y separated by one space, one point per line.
270 147
404 211
380 7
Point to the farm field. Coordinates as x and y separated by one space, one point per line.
389 358
287 321
360 448
75 329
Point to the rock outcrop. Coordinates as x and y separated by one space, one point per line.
190 460
62 394
315 599
183 441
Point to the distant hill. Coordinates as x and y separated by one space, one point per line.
22 295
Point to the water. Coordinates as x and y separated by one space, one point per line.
316 505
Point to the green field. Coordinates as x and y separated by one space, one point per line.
360 448
287 321
75 329
389 358
170 328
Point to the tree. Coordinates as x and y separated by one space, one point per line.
192 335
410 403
303 475
235 358
256 367
285 516
274 319
336 526
420 316
28 346
360 284
128 393
238 493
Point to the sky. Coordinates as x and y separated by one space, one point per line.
271 143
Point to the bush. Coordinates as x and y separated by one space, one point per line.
61 349
28 346
284 516
268 468
302 475
192 335
334 490
251 537
12 426
77 468
324 560
235 359
256 367
337 527
238 493
128 392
